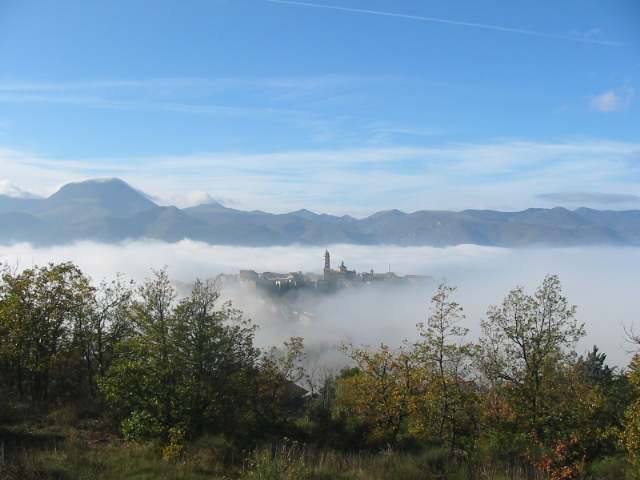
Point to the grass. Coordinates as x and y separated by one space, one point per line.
83 457
48 453
114 461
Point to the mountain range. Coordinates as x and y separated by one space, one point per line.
112 211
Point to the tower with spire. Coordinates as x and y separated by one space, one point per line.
327 265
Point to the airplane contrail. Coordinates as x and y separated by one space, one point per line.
484 26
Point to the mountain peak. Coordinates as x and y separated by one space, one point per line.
304 213
113 196
395 213
97 184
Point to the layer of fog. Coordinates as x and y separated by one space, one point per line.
603 282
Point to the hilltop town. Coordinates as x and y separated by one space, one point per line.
330 280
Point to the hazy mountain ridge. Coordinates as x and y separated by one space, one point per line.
111 211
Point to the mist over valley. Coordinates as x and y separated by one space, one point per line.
601 281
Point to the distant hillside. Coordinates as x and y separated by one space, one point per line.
111 211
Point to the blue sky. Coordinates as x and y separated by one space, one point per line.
344 106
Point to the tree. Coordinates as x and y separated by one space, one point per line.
593 368
188 365
43 311
378 395
611 394
216 350
527 347
424 392
106 324
448 360
143 378
278 394
630 437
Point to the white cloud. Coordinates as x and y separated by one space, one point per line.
498 28
207 97
11 190
192 199
92 101
163 85
613 100
590 198
357 181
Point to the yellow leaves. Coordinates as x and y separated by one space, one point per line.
174 451
379 394
399 393
631 435
634 371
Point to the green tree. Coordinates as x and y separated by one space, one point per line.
630 437
448 360
105 324
188 365
277 388
527 350
43 313
613 392
215 345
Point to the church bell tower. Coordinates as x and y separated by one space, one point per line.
327 265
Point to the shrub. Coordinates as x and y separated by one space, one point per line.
141 425
175 449
609 468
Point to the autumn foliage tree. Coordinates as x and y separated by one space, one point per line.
377 397
421 393
630 437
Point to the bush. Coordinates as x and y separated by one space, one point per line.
215 450
609 468
175 449
140 426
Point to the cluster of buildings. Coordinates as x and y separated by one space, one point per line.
330 280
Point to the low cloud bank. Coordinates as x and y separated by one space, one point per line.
603 282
